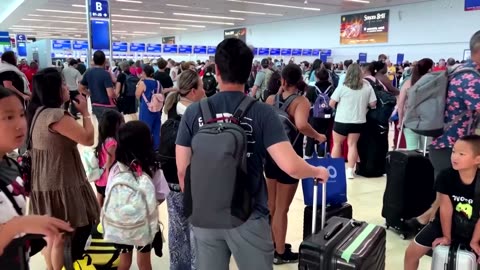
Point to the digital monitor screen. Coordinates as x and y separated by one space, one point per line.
100 35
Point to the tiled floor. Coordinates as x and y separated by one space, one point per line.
365 195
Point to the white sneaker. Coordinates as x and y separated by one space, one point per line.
350 174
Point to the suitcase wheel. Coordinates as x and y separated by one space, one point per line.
404 235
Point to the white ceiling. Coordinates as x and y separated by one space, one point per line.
138 19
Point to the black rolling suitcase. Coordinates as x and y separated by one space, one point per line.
372 148
345 210
342 244
409 191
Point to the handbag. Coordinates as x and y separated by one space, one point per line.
25 160
156 102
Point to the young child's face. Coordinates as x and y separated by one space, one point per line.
13 125
464 156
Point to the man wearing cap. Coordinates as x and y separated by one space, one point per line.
261 81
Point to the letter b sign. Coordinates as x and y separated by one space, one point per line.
99 9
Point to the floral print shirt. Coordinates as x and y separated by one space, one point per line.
463 95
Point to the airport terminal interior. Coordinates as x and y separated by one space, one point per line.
129 64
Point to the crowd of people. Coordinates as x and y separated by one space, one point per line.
47 112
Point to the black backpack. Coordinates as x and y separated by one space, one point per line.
281 109
334 79
386 103
209 84
166 153
217 186
130 85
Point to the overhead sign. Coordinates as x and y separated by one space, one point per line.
400 58
364 28
211 49
296 52
21 45
4 38
471 5
315 52
137 47
170 48
200 49
362 58
275 51
99 9
255 51
120 46
240 33
154 48
286 52
80 45
61 44
100 34
327 52
307 52
263 51
185 49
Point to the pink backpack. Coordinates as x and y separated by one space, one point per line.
156 102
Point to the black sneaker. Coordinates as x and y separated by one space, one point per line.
287 257
287 246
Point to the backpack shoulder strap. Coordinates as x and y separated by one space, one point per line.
327 92
32 125
372 83
206 111
243 107
287 102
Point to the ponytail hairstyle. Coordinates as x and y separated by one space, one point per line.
187 81
420 69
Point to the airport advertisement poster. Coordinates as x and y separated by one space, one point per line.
364 28
240 33
471 5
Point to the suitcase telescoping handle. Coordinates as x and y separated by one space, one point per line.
324 207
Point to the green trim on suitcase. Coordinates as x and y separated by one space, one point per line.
347 254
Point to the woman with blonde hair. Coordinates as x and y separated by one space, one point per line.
181 248
353 99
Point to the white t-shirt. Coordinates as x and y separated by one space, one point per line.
180 111
353 104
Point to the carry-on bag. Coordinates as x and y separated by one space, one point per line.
344 210
372 148
454 257
337 181
104 255
342 243
409 191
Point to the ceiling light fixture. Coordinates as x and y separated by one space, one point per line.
208 16
9 9
255 13
43 27
60 11
173 28
174 5
79 6
143 11
130 1
147 33
38 20
169 19
136 22
358 1
59 17
274 5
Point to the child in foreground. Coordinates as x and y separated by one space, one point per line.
457 192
